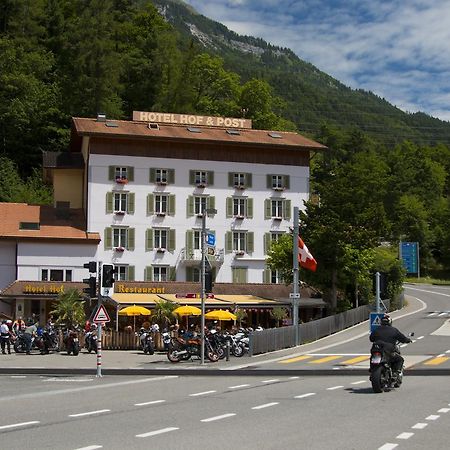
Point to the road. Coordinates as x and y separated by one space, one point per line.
337 411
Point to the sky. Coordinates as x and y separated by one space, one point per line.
397 49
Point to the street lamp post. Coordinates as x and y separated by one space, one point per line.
202 279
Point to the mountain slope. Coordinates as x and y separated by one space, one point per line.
312 97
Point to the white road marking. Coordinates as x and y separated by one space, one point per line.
433 314
334 387
448 351
154 402
18 376
432 417
90 447
443 313
309 394
444 410
388 446
17 425
420 337
403 345
419 426
266 405
440 356
270 381
238 386
90 413
154 433
223 416
293 378
201 393
405 435
359 382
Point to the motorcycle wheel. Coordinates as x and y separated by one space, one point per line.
150 350
220 352
173 356
237 351
379 379
212 356
19 347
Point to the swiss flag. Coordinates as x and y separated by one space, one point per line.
305 258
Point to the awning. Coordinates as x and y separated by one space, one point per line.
210 302
136 299
246 300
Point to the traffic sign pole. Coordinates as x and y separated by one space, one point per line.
99 328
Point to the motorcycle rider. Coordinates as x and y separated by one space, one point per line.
387 335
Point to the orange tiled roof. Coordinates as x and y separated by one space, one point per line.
51 226
91 127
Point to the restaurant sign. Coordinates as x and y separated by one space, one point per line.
122 289
190 119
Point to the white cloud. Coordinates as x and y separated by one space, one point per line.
397 49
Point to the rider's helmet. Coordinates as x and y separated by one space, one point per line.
386 320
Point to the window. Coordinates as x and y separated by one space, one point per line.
275 277
120 237
277 208
160 237
56 275
197 237
239 180
269 238
275 236
120 202
278 182
122 273
121 173
161 176
201 178
239 241
160 273
200 205
239 207
160 204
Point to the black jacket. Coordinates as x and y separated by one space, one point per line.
389 334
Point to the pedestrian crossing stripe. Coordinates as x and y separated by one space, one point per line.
436 361
355 360
325 359
298 358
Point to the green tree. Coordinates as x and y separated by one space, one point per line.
279 313
69 309
163 313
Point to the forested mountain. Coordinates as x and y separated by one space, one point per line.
311 97
385 177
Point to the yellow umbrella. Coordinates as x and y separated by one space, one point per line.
220 314
134 311
188 310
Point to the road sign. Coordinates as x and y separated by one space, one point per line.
410 256
294 295
210 239
101 315
375 320
211 251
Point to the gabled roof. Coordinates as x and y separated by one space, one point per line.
130 129
23 221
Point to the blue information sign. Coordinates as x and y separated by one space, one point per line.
409 255
211 239
375 320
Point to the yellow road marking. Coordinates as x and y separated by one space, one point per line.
326 359
298 358
356 360
436 361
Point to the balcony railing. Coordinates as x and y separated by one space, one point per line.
195 256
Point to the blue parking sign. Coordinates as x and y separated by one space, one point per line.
211 239
375 320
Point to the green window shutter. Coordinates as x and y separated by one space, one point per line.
172 273
210 178
248 180
229 207
269 181
234 275
171 205
250 242
211 202
189 274
130 239
190 206
287 209
243 275
286 181
130 273
189 244
130 173
239 275
192 177
152 175
149 240
148 273
109 202
267 242
249 208
130 203
230 179
171 176
171 240
228 242
111 172
108 238
150 204
267 276
267 208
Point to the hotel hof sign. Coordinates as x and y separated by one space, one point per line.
189 119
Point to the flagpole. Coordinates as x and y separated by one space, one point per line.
295 282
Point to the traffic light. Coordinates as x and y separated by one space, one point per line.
208 280
92 289
108 272
91 265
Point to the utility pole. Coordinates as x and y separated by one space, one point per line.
296 281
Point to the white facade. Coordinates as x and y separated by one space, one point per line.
181 222
7 262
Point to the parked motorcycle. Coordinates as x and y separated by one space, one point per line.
183 349
48 341
146 341
382 376
90 341
20 343
72 342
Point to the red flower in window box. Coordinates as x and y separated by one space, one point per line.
122 180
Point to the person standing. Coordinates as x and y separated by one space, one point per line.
28 334
5 335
